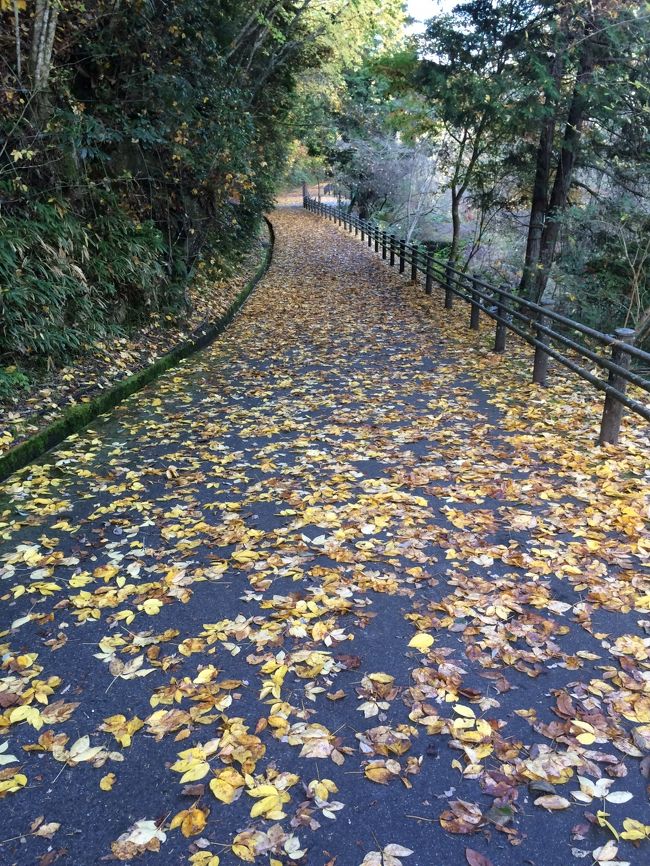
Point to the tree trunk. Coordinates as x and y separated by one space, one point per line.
539 202
19 53
46 15
456 198
564 172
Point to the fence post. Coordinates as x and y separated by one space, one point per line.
540 364
383 245
428 280
362 228
304 193
356 228
475 310
501 329
402 255
449 295
610 424
415 254
392 250
376 238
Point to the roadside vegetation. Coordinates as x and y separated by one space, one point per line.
137 139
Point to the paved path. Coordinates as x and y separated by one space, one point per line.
233 566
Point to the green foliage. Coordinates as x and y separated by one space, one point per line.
159 129
605 264
12 382
66 282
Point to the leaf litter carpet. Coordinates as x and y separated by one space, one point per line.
344 589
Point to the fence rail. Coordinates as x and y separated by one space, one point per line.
552 334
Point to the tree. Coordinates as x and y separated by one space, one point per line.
585 78
468 71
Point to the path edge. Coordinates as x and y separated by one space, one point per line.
77 417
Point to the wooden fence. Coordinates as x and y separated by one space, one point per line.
550 333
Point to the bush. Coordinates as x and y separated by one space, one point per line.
12 382
66 282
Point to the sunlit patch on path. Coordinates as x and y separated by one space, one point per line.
344 589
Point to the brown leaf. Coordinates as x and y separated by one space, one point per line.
348 661
336 696
462 817
475 858
52 856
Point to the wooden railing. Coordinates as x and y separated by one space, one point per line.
552 334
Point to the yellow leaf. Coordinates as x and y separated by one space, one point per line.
206 675
266 804
106 572
263 791
106 782
586 739
12 784
245 556
152 606
192 770
204 858
223 791
601 818
27 714
634 831
466 712
421 641
191 821
379 774
243 852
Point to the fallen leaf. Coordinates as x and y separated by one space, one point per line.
475 858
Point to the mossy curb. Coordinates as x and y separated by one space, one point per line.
77 417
